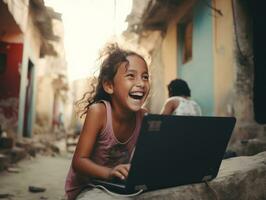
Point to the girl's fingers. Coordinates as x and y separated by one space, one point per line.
119 175
123 171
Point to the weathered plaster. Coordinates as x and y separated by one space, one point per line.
224 62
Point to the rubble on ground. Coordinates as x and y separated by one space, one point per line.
13 150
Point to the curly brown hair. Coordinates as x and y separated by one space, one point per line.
111 57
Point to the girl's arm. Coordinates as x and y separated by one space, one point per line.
169 107
94 123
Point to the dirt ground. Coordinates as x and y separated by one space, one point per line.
42 171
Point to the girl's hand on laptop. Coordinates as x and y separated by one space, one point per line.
120 171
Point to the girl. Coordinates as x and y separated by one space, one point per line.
113 119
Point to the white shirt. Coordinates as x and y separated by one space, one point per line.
187 107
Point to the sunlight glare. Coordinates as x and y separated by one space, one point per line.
88 24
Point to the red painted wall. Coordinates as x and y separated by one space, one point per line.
10 78
10 83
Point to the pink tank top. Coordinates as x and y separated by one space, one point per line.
108 151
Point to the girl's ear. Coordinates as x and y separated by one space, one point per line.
108 87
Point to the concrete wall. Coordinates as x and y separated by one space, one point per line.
224 62
249 137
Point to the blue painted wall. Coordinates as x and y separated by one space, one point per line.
198 72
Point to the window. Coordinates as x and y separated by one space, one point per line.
186 34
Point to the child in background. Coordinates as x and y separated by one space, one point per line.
113 119
179 102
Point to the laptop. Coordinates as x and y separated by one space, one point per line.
175 150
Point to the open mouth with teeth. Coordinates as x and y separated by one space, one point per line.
136 95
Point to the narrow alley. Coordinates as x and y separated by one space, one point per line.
52 69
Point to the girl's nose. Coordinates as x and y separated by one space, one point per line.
140 82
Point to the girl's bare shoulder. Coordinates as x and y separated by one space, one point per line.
96 115
97 109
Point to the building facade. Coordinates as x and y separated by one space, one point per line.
210 45
26 38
